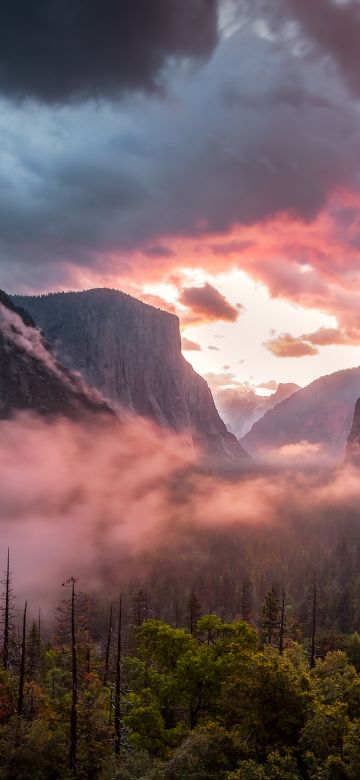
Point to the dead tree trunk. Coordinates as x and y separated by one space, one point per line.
7 615
20 703
108 645
313 629
282 625
118 684
74 684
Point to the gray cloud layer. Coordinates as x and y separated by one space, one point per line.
330 28
258 130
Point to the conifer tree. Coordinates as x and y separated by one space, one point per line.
270 618
246 600
194 612
282 625
140 608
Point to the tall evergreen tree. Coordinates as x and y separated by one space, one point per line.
194 612
270 618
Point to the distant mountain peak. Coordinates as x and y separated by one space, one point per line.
319 414
242 408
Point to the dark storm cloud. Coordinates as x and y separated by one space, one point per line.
64 49
85 186
328 27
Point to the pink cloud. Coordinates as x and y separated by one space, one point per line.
285 345
207 303
190 346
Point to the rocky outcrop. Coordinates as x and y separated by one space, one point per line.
31 379
320 414
131 352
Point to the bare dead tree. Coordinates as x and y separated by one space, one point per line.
313 627
117 744
20 704
108 646
282 625
68 610
7 614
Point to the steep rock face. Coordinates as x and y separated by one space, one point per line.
241 409
131 352
30 377
320 414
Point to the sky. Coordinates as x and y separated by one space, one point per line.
203 156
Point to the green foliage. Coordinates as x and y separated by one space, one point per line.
277 767
336 680
207 754
325 730
352 649
202 706
266 702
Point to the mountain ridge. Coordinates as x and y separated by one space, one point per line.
319 414
241 409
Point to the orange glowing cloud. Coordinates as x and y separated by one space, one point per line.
315 265
206 303
190 346
285 345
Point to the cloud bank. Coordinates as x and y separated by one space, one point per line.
68 507
58 52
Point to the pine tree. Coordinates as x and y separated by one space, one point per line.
270 618
282 625
246 599
194 612
140 608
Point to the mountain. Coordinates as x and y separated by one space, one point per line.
353 442
241 408
319 415
30 377
131 352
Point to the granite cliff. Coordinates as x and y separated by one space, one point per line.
31 379
131 352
